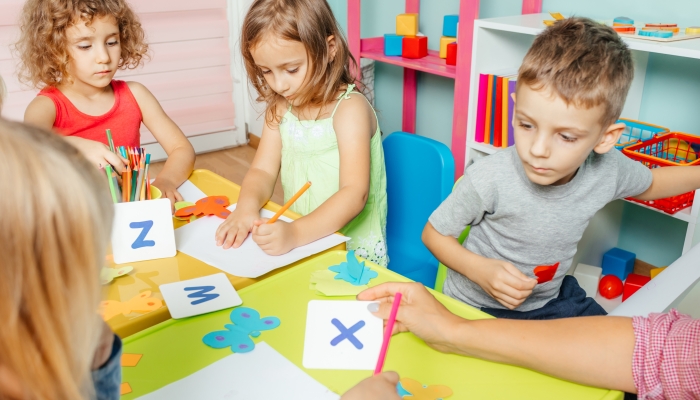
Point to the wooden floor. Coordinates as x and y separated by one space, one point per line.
232 164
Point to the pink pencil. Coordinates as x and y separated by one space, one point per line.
387 333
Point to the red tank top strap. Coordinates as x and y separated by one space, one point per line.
123 119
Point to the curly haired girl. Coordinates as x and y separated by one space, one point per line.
71 49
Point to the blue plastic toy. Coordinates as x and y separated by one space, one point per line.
420 174
618 262
449 25
392 44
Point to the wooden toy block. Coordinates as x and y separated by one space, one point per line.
444 41
633 283
451 54
393 44
415 46
655 271
588 277
407 24
618 262
449 25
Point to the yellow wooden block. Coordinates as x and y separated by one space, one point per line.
556 16
549 22
444 41
407 24
655 271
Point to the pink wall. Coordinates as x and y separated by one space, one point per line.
189 70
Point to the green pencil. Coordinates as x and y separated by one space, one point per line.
111 142
108 169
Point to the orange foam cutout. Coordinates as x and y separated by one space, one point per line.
125 389
130 360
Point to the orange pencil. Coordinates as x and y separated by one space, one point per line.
128 184
289 203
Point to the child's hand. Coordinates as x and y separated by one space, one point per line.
233 231
377 387
505 283
169 190
98 154
104 347
275 239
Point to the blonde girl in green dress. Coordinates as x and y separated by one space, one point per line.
318 128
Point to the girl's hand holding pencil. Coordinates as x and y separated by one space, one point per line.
98 154
274 239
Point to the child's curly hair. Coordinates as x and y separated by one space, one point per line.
42 45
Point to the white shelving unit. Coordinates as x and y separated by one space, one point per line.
501 44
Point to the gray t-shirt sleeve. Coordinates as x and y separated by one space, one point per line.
633 177
461 208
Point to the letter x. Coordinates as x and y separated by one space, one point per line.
347 333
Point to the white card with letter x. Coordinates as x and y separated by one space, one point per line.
341 335
199 296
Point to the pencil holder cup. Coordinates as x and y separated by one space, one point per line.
155 193
143 230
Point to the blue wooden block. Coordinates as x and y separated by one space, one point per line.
392 44
618 262
449 25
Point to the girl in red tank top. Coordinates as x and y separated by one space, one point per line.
80 100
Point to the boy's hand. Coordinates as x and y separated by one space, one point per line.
377 387
169 190
505 283
98 154
234 231
274 239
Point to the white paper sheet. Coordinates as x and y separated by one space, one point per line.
197 239
190 192
261 374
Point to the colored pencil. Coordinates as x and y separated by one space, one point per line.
289 203
110 141
108 169
387 333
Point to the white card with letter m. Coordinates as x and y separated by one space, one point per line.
142 230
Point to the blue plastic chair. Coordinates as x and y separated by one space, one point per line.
420 174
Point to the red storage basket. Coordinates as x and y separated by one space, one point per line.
671 149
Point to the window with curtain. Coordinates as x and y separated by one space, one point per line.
189 70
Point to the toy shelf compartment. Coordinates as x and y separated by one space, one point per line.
670 149
373 48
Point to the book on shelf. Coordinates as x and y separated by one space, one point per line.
494 111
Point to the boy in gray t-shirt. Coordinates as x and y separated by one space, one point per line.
528 205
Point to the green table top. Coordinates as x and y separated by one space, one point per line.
174 349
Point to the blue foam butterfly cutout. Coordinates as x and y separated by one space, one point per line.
247 323
353 271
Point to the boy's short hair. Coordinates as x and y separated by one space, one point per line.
582 61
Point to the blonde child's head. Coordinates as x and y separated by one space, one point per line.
47 54
294 49
571 89
55 225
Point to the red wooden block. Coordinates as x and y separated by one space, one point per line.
451 54
415 46
633 283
